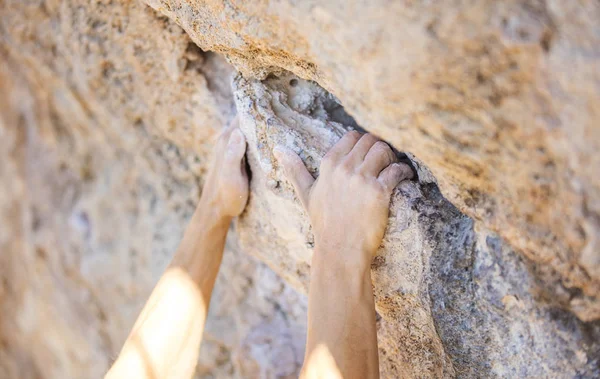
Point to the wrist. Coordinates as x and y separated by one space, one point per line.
342 270
210 213
207 227
201 248
351 259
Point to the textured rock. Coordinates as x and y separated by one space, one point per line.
107 115
108 112
499 99
451 301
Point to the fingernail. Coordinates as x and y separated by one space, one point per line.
408 172
236 137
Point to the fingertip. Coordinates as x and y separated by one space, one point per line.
237 136
392 175
236 146
295 170
407 171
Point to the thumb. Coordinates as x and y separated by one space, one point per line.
296 172
236 146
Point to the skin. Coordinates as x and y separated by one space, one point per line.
348 229
165 340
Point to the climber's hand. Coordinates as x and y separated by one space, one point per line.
165 339
226 189
348 204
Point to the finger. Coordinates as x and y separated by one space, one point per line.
343 146
296 172
380 156
360 150
234 123
227 130
236 146
223 137
394 174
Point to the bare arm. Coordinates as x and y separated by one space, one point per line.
165 339
348 206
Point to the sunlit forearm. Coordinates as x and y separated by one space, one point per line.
342 337
165 340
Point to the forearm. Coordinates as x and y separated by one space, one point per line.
166 337
342 337
341 319
201 249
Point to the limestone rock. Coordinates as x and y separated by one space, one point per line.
108 111
107 116
452 302
498 99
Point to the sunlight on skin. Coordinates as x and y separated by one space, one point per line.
342 337
168 343
165 340
320 364
348 230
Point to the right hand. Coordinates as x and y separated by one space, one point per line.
348 204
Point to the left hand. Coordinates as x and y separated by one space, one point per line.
226 189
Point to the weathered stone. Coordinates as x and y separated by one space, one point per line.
499 99
451 301
107 116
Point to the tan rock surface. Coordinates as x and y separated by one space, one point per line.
452 301
107 114
499 99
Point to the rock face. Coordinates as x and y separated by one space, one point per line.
108 110
107 116
499 99
452 302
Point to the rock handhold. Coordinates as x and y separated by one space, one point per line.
447 304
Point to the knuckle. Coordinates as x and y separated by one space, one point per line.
371 138
346 166
353 134
350 137
382 148
327 161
